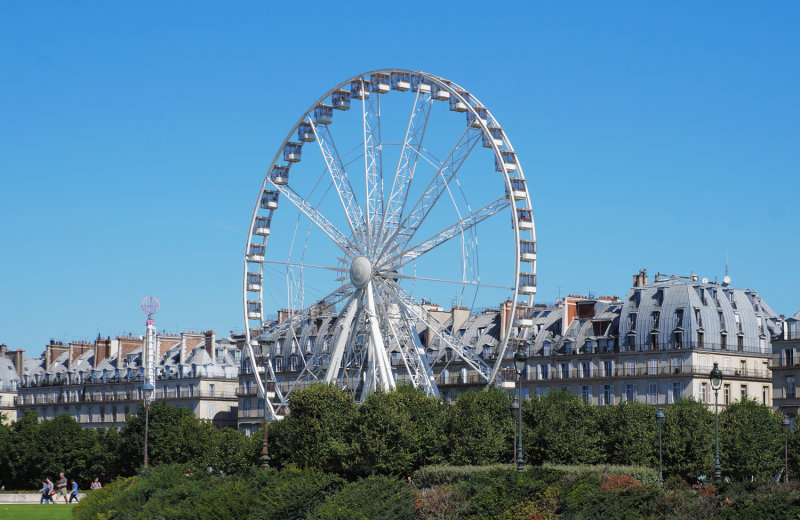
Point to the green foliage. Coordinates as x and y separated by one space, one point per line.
560 428
688 439
479 428
373 498
643 474
35 512
500 491
430 476
395 433
630 433
750 440
316 430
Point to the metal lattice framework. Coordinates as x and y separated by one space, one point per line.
354 243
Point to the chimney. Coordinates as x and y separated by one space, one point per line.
505 315
18 358
210 345
460 317
182 358
3 349
640 280
70 350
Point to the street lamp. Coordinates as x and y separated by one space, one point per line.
147 395
716 381
520 361
787 425
265 341
660 423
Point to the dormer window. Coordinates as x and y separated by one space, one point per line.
656 318
632 321
678 318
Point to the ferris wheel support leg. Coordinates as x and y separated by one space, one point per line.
341 342
383 367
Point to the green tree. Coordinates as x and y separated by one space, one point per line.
317 428
630 434
383 437
688 439
560 428
750 440
479 428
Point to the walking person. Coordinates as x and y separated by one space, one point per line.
61 487
50 490
45 493
73 493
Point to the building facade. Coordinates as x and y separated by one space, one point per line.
100 383
10 377
786 367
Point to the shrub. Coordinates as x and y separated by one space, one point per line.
431 476
618 482
372 498
445 501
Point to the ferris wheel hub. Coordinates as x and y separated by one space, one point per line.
361 271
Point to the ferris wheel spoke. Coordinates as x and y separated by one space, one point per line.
412 351
303 265
319 220
344 326
466 223
407 164
373 162
341 181
438 184
326 302
400 276
447 340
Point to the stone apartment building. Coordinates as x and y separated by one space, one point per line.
10 377
99 383
786 367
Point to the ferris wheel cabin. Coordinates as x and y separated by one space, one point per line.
509 161
401 81
254 282
418 83
524 315
280 175
527 283
440 93
340 100
269 200
291 152
518 188
527 250
359 89
305 133
525 218
253 310
323 114
256 253
475 121
459 104
495 137
380 83
262 225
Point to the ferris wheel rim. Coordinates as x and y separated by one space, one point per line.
471 103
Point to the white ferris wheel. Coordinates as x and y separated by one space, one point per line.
375 205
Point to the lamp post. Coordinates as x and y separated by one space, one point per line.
660 423
147 395
514 413
265 341
787 425
520 360
716 381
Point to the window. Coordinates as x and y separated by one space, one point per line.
656 318
632 321
726 393
740 342
764 369
585 394
764 394
586 368
704 392
723 341
630 393
675 365
788 355
652 367
678 318
564 370
629 367
697 319
608 395
608 368
654 341
631 342
790 388
678 339
744 392
742 368
545 371
699 339
676 391
211 390
652 393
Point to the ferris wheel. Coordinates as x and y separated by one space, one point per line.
374 207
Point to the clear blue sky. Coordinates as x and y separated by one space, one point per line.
134 138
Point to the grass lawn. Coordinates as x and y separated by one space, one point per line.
35 512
